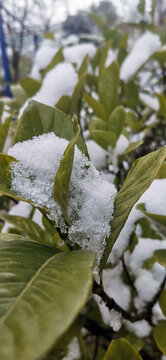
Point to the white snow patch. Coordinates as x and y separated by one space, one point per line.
150 101
43 57
91 199
139 328
143 48
76 53
73 350
97 154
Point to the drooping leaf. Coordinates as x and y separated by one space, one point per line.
121 349
104 138
58 57
4 128
63 175
84 66
116 121
160 256
44 119
43 293
96 106
30 86
139 178
108 87
77 95
160 335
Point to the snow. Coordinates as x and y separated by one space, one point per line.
61 80
91 199
20 209
150 101
140 328
97 154
71 39
143 48
43 57
121 146
116 320
154 199
76 53
112 56
73 350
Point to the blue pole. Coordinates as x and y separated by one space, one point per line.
4 57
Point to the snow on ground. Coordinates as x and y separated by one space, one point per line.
143 48
90 199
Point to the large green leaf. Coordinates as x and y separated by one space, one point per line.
160 256
160 336
64 104
63 175
139 178
116 121
42 294
96 106
38 119
4 128
30 85
108 87
162 172
104 138
121 349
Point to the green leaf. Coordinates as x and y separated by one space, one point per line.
42 294
64 104
121 349
162 100
160 256
104 138
135 341
19 93
58 57
132 121
162 172
132 147
108 87
131 93
116 121
162 301
96 106
77 95
30 86
4 128
84 66
44 119
141 6
104 56
1 109
160 56
139 178
159 220
160 335
97 124
28 227
63 175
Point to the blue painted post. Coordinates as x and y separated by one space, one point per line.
4 56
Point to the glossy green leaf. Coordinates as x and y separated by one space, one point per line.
116 121
77 95
63 175
160 256
104 138
96 106
139 178
42 294
4 128
30 86
44 119
135 341
28 227
121 349
160 336
64 104
108 87
84 66
162 301
58 57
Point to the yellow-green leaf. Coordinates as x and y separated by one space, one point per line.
108 87
116 121
104 138
4 128
160 256
30 86
160 336
121 349
96 106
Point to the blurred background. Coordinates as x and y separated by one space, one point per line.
24 24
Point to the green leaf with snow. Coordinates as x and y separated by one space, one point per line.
160 256
4 128
116 121
96 106
108 87
30 86
121 349
33 313
160 335
58 57
64 104
63 175
45 119
139 178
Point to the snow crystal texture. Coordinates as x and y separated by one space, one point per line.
91 198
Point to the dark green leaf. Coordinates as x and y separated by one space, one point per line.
77 95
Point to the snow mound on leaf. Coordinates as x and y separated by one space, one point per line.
91 198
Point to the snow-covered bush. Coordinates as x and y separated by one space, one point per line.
83 190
